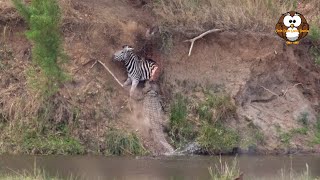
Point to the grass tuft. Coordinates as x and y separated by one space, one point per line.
190 16
216 108
119 143
181 130
216 138
225 171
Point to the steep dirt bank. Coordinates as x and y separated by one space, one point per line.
272 84
251 67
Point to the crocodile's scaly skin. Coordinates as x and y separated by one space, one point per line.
154 113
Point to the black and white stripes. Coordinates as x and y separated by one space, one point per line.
138 69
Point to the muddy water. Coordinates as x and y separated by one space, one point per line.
164 168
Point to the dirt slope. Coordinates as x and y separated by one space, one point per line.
251 67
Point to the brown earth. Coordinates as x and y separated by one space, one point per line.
259 71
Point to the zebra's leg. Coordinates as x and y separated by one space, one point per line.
133 86
127 82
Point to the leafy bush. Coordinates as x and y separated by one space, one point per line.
43 18
120 143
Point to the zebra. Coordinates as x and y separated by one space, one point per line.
138 69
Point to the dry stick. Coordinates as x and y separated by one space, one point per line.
269 91
198 37
108 71
285 92
112 76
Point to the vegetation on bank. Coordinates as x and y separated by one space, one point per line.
188 16
119 143
45 119
208 127
43 18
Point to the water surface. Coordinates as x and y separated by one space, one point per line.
159 168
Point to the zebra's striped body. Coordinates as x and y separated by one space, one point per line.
139 69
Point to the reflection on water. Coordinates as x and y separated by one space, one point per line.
159 168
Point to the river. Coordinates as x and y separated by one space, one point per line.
156 168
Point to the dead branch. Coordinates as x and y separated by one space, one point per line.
108 71
200 36
284 92
269 91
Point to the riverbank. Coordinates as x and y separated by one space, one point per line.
240 90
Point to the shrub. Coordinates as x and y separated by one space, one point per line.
43 18
120 143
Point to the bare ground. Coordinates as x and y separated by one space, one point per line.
251 67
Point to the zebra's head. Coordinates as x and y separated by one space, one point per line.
122 54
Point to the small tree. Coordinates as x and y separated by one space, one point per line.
43 18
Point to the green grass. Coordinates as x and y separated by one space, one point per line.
314 33
216 108
285 137
316 139
181 130
119 143
51 144
208 130
39 137
216 139
43 18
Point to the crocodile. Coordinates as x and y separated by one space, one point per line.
154 114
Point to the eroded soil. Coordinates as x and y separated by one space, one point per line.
272 84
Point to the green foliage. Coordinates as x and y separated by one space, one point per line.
216 138
181 130
178 112
314 33
43 18
316 139
216 107
119 143
51 144
285 137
